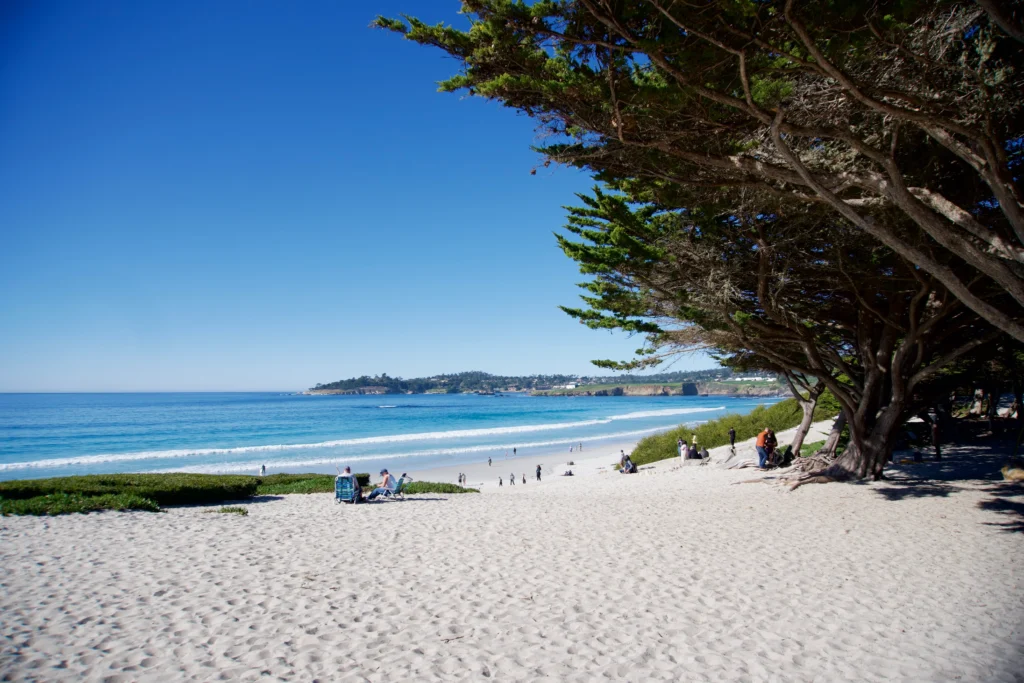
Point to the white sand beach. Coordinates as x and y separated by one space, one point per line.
672 574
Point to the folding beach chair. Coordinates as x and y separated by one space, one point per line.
346 489
397 492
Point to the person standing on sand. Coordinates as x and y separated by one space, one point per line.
512 479
263 470
732 438
524 477
762 454
488 462
538 472
513 451
679 445
499 482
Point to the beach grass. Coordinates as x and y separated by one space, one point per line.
778 417
283 484
415 487
92 493
174 488
67 503
232 510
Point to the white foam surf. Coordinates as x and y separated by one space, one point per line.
223 468
360 441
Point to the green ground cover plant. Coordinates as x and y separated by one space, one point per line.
67 503
163 489
780 416
412 488
232 510
92 493
282 484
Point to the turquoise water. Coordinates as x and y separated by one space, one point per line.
44 435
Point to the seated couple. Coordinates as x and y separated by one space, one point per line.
626 465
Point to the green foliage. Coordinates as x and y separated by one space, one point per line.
780 416
162 489
232 510
66 503
812 448
281 484
64 495
416 487
482 381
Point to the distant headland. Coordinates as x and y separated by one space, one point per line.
717 382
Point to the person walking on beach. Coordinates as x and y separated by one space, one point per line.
538 472
513 451
263 470
488 462
512 479
524 478
580 446
500 482
732 438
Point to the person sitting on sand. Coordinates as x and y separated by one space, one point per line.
567 473
386 485
691 453
355 485
626 465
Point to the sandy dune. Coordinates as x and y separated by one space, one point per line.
677 575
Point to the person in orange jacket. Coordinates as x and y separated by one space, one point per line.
762 452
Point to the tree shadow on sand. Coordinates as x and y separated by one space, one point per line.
962 467
1012 511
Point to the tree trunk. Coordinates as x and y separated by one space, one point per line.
865 457
808 407
829 449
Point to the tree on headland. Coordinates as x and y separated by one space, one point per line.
869 110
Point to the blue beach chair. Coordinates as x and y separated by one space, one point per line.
346 489
397 491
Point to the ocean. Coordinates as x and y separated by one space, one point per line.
44 435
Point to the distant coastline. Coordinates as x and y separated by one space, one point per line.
716 382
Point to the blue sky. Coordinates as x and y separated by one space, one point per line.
265 195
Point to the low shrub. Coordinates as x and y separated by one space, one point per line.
163 489
778 417
282 484
415 487
66 503
232 510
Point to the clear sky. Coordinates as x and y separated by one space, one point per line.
245 195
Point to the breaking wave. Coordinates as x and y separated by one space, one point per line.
361 441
